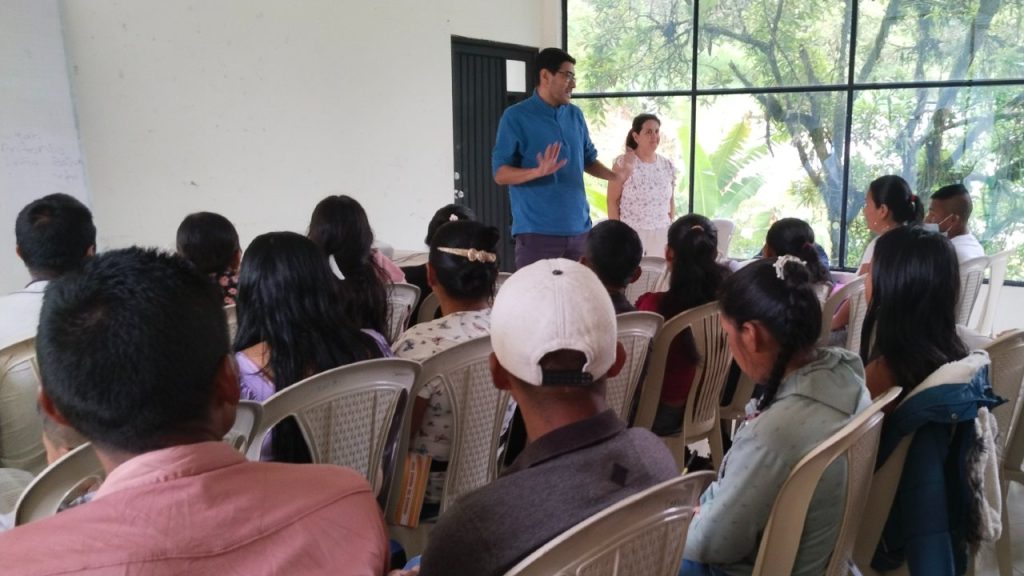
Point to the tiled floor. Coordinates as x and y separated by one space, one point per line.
986 558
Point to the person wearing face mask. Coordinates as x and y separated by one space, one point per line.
645 199
948 213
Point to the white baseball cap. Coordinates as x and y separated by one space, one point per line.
554 305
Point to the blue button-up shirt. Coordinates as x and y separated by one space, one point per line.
556 204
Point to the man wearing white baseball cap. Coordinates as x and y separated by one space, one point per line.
553 330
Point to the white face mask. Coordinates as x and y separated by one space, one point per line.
934 226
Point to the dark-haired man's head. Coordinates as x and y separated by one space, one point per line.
553 330
613 252
556 76
54 235
209 241
950 209
133 353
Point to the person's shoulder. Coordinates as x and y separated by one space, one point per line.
649 301
323 478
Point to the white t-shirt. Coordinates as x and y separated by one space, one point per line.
869 251
967 247
646 193
19 313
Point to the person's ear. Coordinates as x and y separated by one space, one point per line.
669 254
752 337
499 376
620 360
17 250
431 276
236 260
767 252
585 261
91 251
47 405
637 273
226 387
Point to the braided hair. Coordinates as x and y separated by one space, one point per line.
778 294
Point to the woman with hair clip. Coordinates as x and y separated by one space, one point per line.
645 199
290 327
417 274
794 237
696 276
462 271
939 511
340 228
771 317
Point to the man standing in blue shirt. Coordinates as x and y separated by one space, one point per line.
542 149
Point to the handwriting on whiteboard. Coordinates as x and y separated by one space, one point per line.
30 151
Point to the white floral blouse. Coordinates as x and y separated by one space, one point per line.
646 194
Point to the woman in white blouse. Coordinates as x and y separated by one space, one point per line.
645 198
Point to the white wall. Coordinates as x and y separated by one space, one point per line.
259 108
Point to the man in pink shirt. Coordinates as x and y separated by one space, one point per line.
133 353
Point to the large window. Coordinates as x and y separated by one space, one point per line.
775 108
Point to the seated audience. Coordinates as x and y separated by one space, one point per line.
209 241
937 512
417 275
553 330
290 327
691 256
340 229
772 318
462 270
948 213
794 237
54 235
613 252
133 353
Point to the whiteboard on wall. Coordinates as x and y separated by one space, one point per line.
39 150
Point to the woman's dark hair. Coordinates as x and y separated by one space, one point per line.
287 300
638 125
696 274
915 283
894 192
794 237
340 228
787 308
462 278
444 216
209 241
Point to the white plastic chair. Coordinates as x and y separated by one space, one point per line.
640 535
854 287
429 308
231 314
652 268
1007 374
700 416
997 264
843 277
972 274
21 430
636 330
349 416
73 475
247 418
736 411
725 229
402 298
858 442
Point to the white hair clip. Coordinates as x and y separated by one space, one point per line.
471 254
453 218
780 265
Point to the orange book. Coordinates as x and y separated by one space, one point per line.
414 487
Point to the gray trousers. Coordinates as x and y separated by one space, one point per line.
533 247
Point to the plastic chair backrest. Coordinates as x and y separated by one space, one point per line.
832 304
349 416
997 264
737 407
402 298
652 268
1007 374
429 308
73 475
972 274
636 330
231 313
858 312
725 229
642 534
700 416
858 442
247 418
479 413
21 430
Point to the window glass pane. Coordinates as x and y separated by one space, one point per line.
900 41
610 120
764 43
630 45
933 137
760 158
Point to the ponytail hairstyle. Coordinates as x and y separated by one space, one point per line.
786 307
915 283
340 228
894 192
287 300
446 214
471 276
794 237
638 125
696 273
